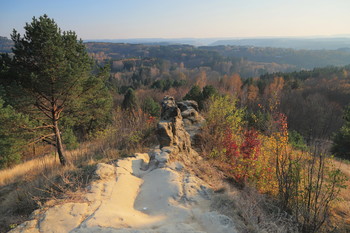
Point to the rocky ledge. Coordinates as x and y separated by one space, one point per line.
147 192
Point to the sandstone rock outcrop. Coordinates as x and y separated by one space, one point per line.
179 125
193 121
170 129
145 193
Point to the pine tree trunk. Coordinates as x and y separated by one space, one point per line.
59 145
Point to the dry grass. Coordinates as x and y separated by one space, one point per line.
21 171
32 184
341 210
48 164
253 212
29 185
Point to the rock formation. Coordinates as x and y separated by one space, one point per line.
145 193
176 132
193 121
170 129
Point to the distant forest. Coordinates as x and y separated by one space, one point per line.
326 43
266 60
313 85
224 59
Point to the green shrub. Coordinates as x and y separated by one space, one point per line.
297 140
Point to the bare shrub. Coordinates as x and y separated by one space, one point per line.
254 212
308 187
131 131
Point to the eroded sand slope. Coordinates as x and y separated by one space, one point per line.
127 198
151 192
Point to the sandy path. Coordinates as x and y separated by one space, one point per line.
128 199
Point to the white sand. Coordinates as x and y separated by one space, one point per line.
130 200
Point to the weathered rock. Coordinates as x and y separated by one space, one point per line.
169 109
187 104
193 121
170 130
68 215
27 227
178 166
189 111
104 171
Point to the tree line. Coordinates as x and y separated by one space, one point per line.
59 93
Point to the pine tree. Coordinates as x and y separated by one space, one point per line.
194 94
151 107
209 91
12 139
129 102
341 141
52 70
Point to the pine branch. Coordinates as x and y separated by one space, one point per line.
38 127
41 138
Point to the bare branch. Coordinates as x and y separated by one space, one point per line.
43 111
41 138
50 142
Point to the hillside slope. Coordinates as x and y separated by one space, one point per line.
152 192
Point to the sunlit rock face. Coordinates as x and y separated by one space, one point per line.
170 129
193 121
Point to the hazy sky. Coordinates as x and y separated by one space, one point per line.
117 19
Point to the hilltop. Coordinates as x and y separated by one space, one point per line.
172 188
245 134
154 192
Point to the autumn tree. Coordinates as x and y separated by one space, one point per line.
52 70
201 79
232 84
253 93
274 89
236 83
